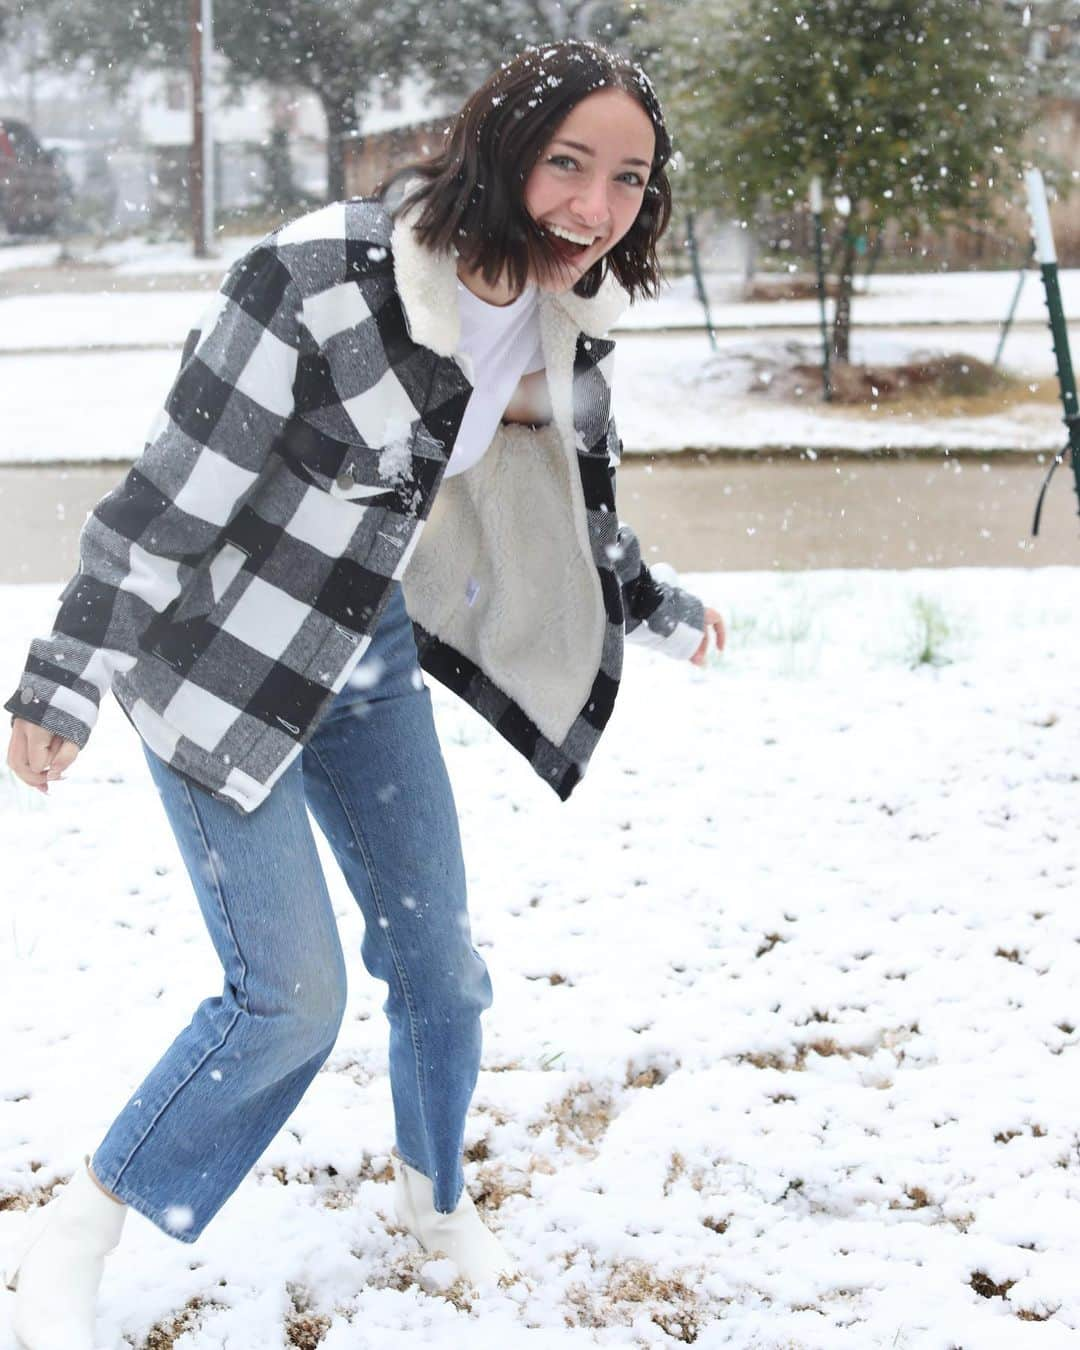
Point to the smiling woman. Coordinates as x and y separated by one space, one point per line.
328 505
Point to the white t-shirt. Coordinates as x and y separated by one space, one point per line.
503 343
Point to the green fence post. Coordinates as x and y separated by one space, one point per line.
1047 257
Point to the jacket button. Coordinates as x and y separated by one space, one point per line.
345 481
26 694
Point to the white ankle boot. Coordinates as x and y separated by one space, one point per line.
460 1235
56 1279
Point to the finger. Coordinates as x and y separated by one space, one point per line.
32 753
65 755
19 750
43 748
38 752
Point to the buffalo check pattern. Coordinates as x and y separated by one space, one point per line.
230 583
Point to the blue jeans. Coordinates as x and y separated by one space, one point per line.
374 779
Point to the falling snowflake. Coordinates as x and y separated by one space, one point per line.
368 673
179 1218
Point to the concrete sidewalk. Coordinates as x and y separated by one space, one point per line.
744 514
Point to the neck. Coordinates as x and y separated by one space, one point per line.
498 294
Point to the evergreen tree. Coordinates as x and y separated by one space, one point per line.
908 110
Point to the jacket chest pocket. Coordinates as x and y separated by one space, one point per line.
324 450
180 635
357 479
398 475
209 586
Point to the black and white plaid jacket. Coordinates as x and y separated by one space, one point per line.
230 583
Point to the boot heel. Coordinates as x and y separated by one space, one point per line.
11 1273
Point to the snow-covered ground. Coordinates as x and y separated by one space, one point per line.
133 256
670 392
889 298
782 1048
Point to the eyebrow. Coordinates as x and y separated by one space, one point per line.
588 150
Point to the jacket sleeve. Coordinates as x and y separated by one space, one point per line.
659 613
231 397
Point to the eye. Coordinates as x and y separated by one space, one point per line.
638 180
562 159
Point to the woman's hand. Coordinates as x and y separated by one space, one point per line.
38 756
716 623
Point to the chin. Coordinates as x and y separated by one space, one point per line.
566 279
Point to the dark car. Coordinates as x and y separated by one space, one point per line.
32 183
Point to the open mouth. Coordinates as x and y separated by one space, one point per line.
567 248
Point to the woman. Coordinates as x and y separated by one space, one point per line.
389 446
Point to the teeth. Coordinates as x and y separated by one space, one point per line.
574 238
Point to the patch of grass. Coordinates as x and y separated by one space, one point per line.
164 1335
794 1059
581 1118
930 633
769 942
336 1191
764 289
932 383
633 1287
304 1328
492 1186
650 1076
478 1152
40 1195
405 1273
787 624
985 1287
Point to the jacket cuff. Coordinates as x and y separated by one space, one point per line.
40 702
676 627
689 627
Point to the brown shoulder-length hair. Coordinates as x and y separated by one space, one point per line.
472 191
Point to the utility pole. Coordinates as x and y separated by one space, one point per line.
201 175
208 121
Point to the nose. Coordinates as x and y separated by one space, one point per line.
590 204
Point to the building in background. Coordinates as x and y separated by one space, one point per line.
127 157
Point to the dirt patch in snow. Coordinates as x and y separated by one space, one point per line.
950 385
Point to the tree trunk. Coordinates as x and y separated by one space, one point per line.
341 119
841 341
280 188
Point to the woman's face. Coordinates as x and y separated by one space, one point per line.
590 180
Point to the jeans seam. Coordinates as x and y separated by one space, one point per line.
242 1008
399 965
